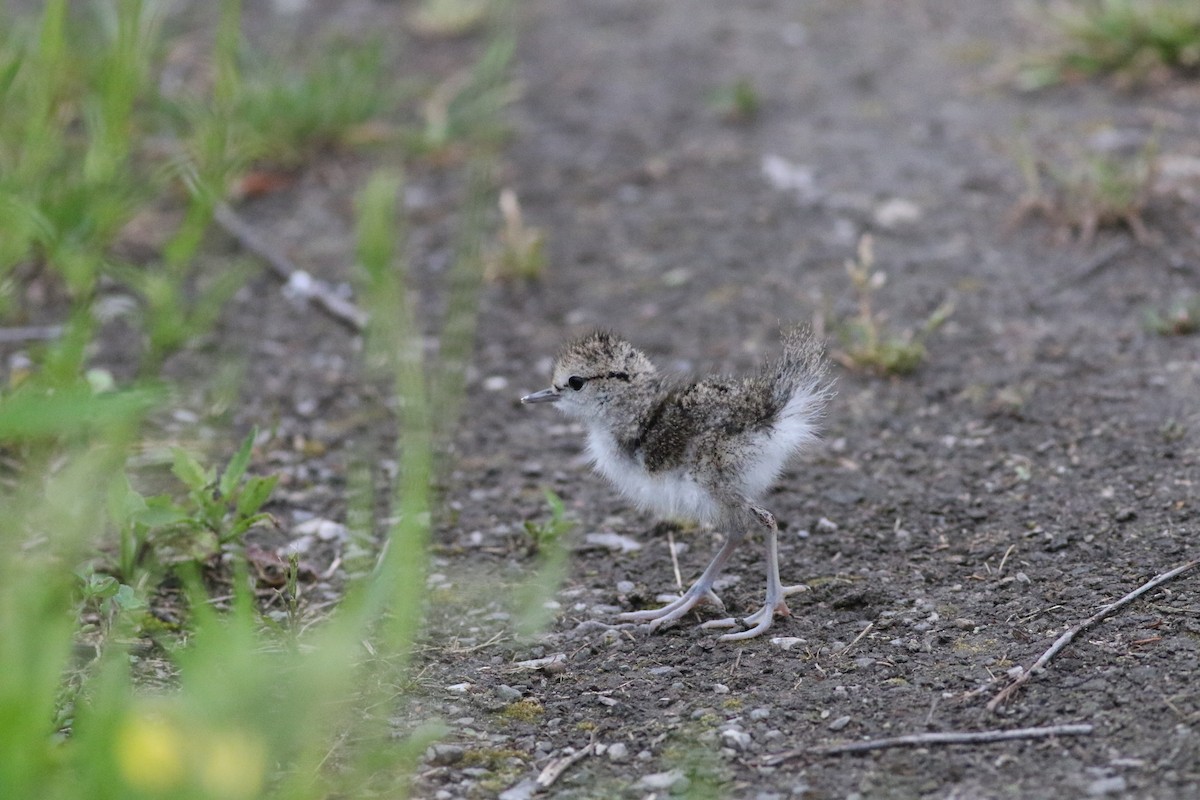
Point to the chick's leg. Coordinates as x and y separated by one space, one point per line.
760 621
699 592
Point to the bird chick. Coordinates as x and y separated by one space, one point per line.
704 450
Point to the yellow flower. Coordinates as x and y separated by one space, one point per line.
233 765
149 751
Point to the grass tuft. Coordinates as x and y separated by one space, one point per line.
1181 318
1133 41
1084 193
738 102
520 253
867 343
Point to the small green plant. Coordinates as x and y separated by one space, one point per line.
216 511
867 343
549 533
1131 40
548 543
1083 193
226 505
520 252
339 97
1181 318
107 595
738 102
464 109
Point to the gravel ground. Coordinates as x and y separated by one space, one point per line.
1042 462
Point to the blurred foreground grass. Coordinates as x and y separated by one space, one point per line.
88 141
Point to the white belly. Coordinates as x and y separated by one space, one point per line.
791 433
673 493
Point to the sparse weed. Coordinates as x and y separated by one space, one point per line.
738 102
548 542
446 19
464 109
867 343
520 252
1181 318
338 97
549 533
1087 192
1131 40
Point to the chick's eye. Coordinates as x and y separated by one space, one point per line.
576 382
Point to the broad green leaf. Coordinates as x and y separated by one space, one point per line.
161 511
237 466
127 598
256 493
189 470
244 525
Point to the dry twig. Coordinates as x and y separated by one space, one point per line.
30 333
1064 640
674 558
313 290
924 739
558 766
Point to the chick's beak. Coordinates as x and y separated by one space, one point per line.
550 395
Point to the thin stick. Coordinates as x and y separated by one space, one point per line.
674 559
923 739
30 333
1064 640
1004 560
1094 265
558 766
313 290
858 638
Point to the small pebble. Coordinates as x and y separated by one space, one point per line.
495 383
739 740
759 713
618 752
1105 786
522 791
839 723
507 693
673 780
324 529
442 755
625 587
786 642
897 212
720 688
459 688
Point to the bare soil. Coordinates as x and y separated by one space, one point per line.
1042 462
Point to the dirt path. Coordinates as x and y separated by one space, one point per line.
1043 462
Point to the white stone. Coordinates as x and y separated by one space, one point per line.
786 642
659 781
897 212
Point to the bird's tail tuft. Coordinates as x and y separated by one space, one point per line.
800 378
